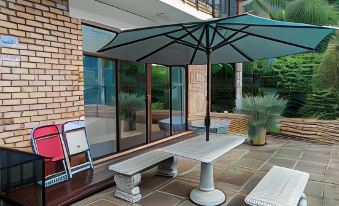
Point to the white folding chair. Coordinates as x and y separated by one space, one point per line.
75 137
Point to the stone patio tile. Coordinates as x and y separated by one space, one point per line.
254 180
228 193
151 184
311 167
334 164
187 203
230 187
314 189
331 191
329 202
289 163
186 164
231 156
314 157
179 187
296 145
238 200
321 149
248 163
292 154
195 173
102 202
234 176
332 176
313 201
159 198
259 155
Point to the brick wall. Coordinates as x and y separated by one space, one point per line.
46 85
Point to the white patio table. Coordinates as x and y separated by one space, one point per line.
197 148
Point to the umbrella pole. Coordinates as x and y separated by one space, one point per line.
208 98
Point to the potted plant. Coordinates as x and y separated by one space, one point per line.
264 112
128 105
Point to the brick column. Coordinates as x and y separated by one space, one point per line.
41 79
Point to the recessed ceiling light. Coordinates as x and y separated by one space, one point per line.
161 14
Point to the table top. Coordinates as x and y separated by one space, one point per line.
197 148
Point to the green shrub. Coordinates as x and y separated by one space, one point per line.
157 106
322 104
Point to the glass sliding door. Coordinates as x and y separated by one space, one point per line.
132 105
100 105
178 99
160 107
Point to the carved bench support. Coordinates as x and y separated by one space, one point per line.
127 187
168 167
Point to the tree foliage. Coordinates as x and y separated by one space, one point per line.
327 76
322 104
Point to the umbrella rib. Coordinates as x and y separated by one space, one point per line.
166 45
197 46
214 32
192 36
270 38
224 42
274 25
242 53
184 42
142 39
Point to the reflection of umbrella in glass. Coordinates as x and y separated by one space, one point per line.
227 40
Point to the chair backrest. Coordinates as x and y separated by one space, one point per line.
75 136
47 142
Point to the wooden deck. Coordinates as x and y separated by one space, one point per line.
89 182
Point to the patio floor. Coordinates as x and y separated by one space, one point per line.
237 173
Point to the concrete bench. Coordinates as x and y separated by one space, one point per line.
128 175
280 187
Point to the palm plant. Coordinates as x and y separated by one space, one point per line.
264 112
327 75
305 11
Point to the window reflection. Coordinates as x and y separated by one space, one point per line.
132 104
178 99
100 105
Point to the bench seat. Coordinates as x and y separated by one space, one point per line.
128 175
280 187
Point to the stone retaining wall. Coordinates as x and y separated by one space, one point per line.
325 131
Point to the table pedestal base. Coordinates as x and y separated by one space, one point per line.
206 194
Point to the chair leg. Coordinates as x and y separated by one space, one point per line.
168 167
127 187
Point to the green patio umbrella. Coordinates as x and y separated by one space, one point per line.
226 40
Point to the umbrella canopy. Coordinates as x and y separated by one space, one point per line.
226 40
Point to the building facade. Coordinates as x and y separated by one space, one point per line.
50 71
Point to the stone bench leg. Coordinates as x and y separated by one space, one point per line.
168 167
127 187
302 201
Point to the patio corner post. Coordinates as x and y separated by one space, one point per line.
208 87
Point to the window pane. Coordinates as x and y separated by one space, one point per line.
178 99
94 38
100 105
160 102
132 104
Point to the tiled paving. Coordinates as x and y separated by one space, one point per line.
237 172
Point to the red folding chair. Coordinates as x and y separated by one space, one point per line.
47 142
75 138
